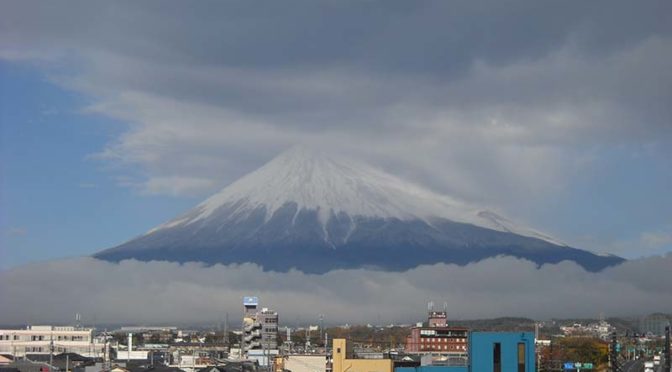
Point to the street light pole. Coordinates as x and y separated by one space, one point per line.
667 349
614 355
51 351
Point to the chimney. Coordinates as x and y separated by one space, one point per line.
130 345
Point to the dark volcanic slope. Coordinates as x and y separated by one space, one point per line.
297 240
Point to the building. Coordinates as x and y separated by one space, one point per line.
654 324
492 352
231 367
130 353
64 361
438 337
260 332
600 329
27 366
501 352
268 320
48 339
302 363
343 360
251 335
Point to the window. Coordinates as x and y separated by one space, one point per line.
497 357
521 357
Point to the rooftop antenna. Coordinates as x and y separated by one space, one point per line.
78 320
445 306
321 325
430 306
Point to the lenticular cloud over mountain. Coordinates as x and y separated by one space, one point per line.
314 212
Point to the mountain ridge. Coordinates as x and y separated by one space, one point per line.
313 212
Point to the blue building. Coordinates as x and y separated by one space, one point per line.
501 352
492 352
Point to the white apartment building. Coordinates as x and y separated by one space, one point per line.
39 339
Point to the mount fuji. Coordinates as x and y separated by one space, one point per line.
313 212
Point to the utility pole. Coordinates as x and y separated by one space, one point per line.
289 340
226 329
51 351
322 326
667 349
307 338
613 356
326 342
242 337
268 351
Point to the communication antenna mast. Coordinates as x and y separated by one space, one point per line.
78 320
445 306
430 306
321 325
326 342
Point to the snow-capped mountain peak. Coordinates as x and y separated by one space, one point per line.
331 185
316 212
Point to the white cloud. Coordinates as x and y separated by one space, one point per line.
176 185
646 243
161 292
657 239
508 124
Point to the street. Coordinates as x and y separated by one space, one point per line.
633 366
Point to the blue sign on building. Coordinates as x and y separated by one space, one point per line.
568 365
250 301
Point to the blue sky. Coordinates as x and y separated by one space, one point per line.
57 199
557 117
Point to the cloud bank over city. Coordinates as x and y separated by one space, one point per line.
162 292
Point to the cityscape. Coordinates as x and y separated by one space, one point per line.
335 186
261 342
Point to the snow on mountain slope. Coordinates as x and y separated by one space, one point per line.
331 185
312 212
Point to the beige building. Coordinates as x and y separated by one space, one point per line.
302 363
39 339
343 360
